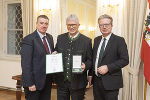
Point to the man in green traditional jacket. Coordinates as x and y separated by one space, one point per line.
73 44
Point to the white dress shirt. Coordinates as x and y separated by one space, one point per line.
41 36
98 51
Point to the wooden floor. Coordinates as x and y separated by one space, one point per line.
10 95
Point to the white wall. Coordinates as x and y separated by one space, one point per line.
7 70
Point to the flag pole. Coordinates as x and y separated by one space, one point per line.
145 89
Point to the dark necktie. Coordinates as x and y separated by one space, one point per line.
101 52
45 45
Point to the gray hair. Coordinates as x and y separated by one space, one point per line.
72 17
105 16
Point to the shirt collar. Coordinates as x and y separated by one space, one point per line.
40 34
74 36
107 37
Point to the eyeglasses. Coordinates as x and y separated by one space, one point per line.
106 25
73 25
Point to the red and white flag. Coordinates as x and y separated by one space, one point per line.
145 50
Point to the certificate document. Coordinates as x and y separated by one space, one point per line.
54 63
77 64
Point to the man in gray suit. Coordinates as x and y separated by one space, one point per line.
110 55
35 46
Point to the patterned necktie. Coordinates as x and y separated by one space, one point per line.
45 45
101 52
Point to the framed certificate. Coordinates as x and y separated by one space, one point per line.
54 63
77 64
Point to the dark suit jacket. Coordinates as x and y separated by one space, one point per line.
33 60
81 46
115 57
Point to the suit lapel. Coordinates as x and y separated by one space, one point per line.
50 42
97 43
95 48
39 43
109 44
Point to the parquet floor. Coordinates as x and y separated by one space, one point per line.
10 95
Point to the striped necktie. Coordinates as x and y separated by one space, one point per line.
45 45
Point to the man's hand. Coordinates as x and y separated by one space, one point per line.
83 66
32 88
55 52
90 81
102 69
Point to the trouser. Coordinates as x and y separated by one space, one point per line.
100 93
65 93
44 94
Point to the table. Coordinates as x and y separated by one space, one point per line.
19 87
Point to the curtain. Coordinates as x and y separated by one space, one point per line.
133 22
55 20
54 15
114 10
64 14
27 15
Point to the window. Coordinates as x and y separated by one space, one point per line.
14 29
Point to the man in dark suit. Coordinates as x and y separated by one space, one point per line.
35 46
110 55
71 44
